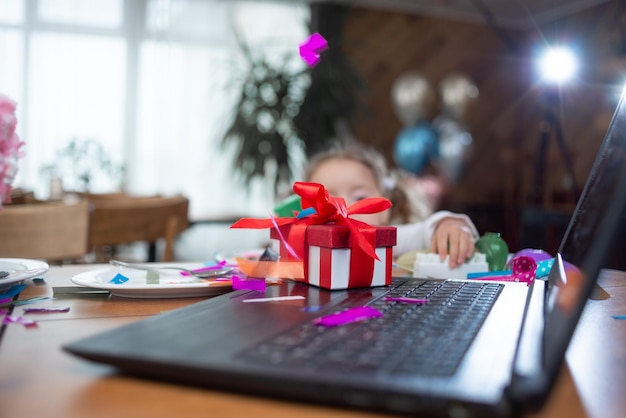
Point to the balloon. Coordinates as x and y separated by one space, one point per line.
415 147
411 96
456 92
455 142
455 146
535 254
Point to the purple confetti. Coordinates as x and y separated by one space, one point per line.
246 283
45 310
348 316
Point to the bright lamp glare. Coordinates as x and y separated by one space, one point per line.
557 65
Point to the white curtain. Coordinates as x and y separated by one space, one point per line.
154 81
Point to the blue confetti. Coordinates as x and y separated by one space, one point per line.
12 291
305 212
119 279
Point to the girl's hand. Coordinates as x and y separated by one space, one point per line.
452 236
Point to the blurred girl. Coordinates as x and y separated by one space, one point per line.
355 172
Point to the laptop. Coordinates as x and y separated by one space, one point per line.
476 349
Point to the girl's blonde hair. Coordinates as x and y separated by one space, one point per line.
408 203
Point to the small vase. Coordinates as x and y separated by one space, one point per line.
495 249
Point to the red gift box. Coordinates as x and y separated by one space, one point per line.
331 261
343 252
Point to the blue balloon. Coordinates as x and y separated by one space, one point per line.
415 147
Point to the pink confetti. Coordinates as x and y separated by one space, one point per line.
20 320
348 316
311 48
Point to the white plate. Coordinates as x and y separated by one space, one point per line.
171 285
20 269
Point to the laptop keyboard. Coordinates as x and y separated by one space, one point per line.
428 339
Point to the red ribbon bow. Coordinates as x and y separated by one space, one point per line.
328 209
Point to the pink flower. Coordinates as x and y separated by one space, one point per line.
10 146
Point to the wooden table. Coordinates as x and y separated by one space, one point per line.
38 379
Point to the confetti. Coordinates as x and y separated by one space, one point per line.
31 300
20 320
275 299
405 300
246 283
310 49
12 291
45 310
348 316
119 279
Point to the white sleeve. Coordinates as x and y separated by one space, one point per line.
416 236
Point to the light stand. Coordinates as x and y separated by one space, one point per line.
551 127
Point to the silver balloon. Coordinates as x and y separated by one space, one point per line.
455 142
411 96
457 91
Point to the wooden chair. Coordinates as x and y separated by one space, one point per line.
130 219
20 196
55 232
108 196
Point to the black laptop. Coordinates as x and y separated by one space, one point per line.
476 349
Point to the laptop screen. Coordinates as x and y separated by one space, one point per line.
588 241
601 189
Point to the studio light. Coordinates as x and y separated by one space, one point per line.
557 65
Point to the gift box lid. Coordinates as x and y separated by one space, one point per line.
338 236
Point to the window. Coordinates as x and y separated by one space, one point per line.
154 81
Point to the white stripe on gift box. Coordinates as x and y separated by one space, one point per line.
340 267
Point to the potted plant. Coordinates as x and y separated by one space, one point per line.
280 110
81 161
